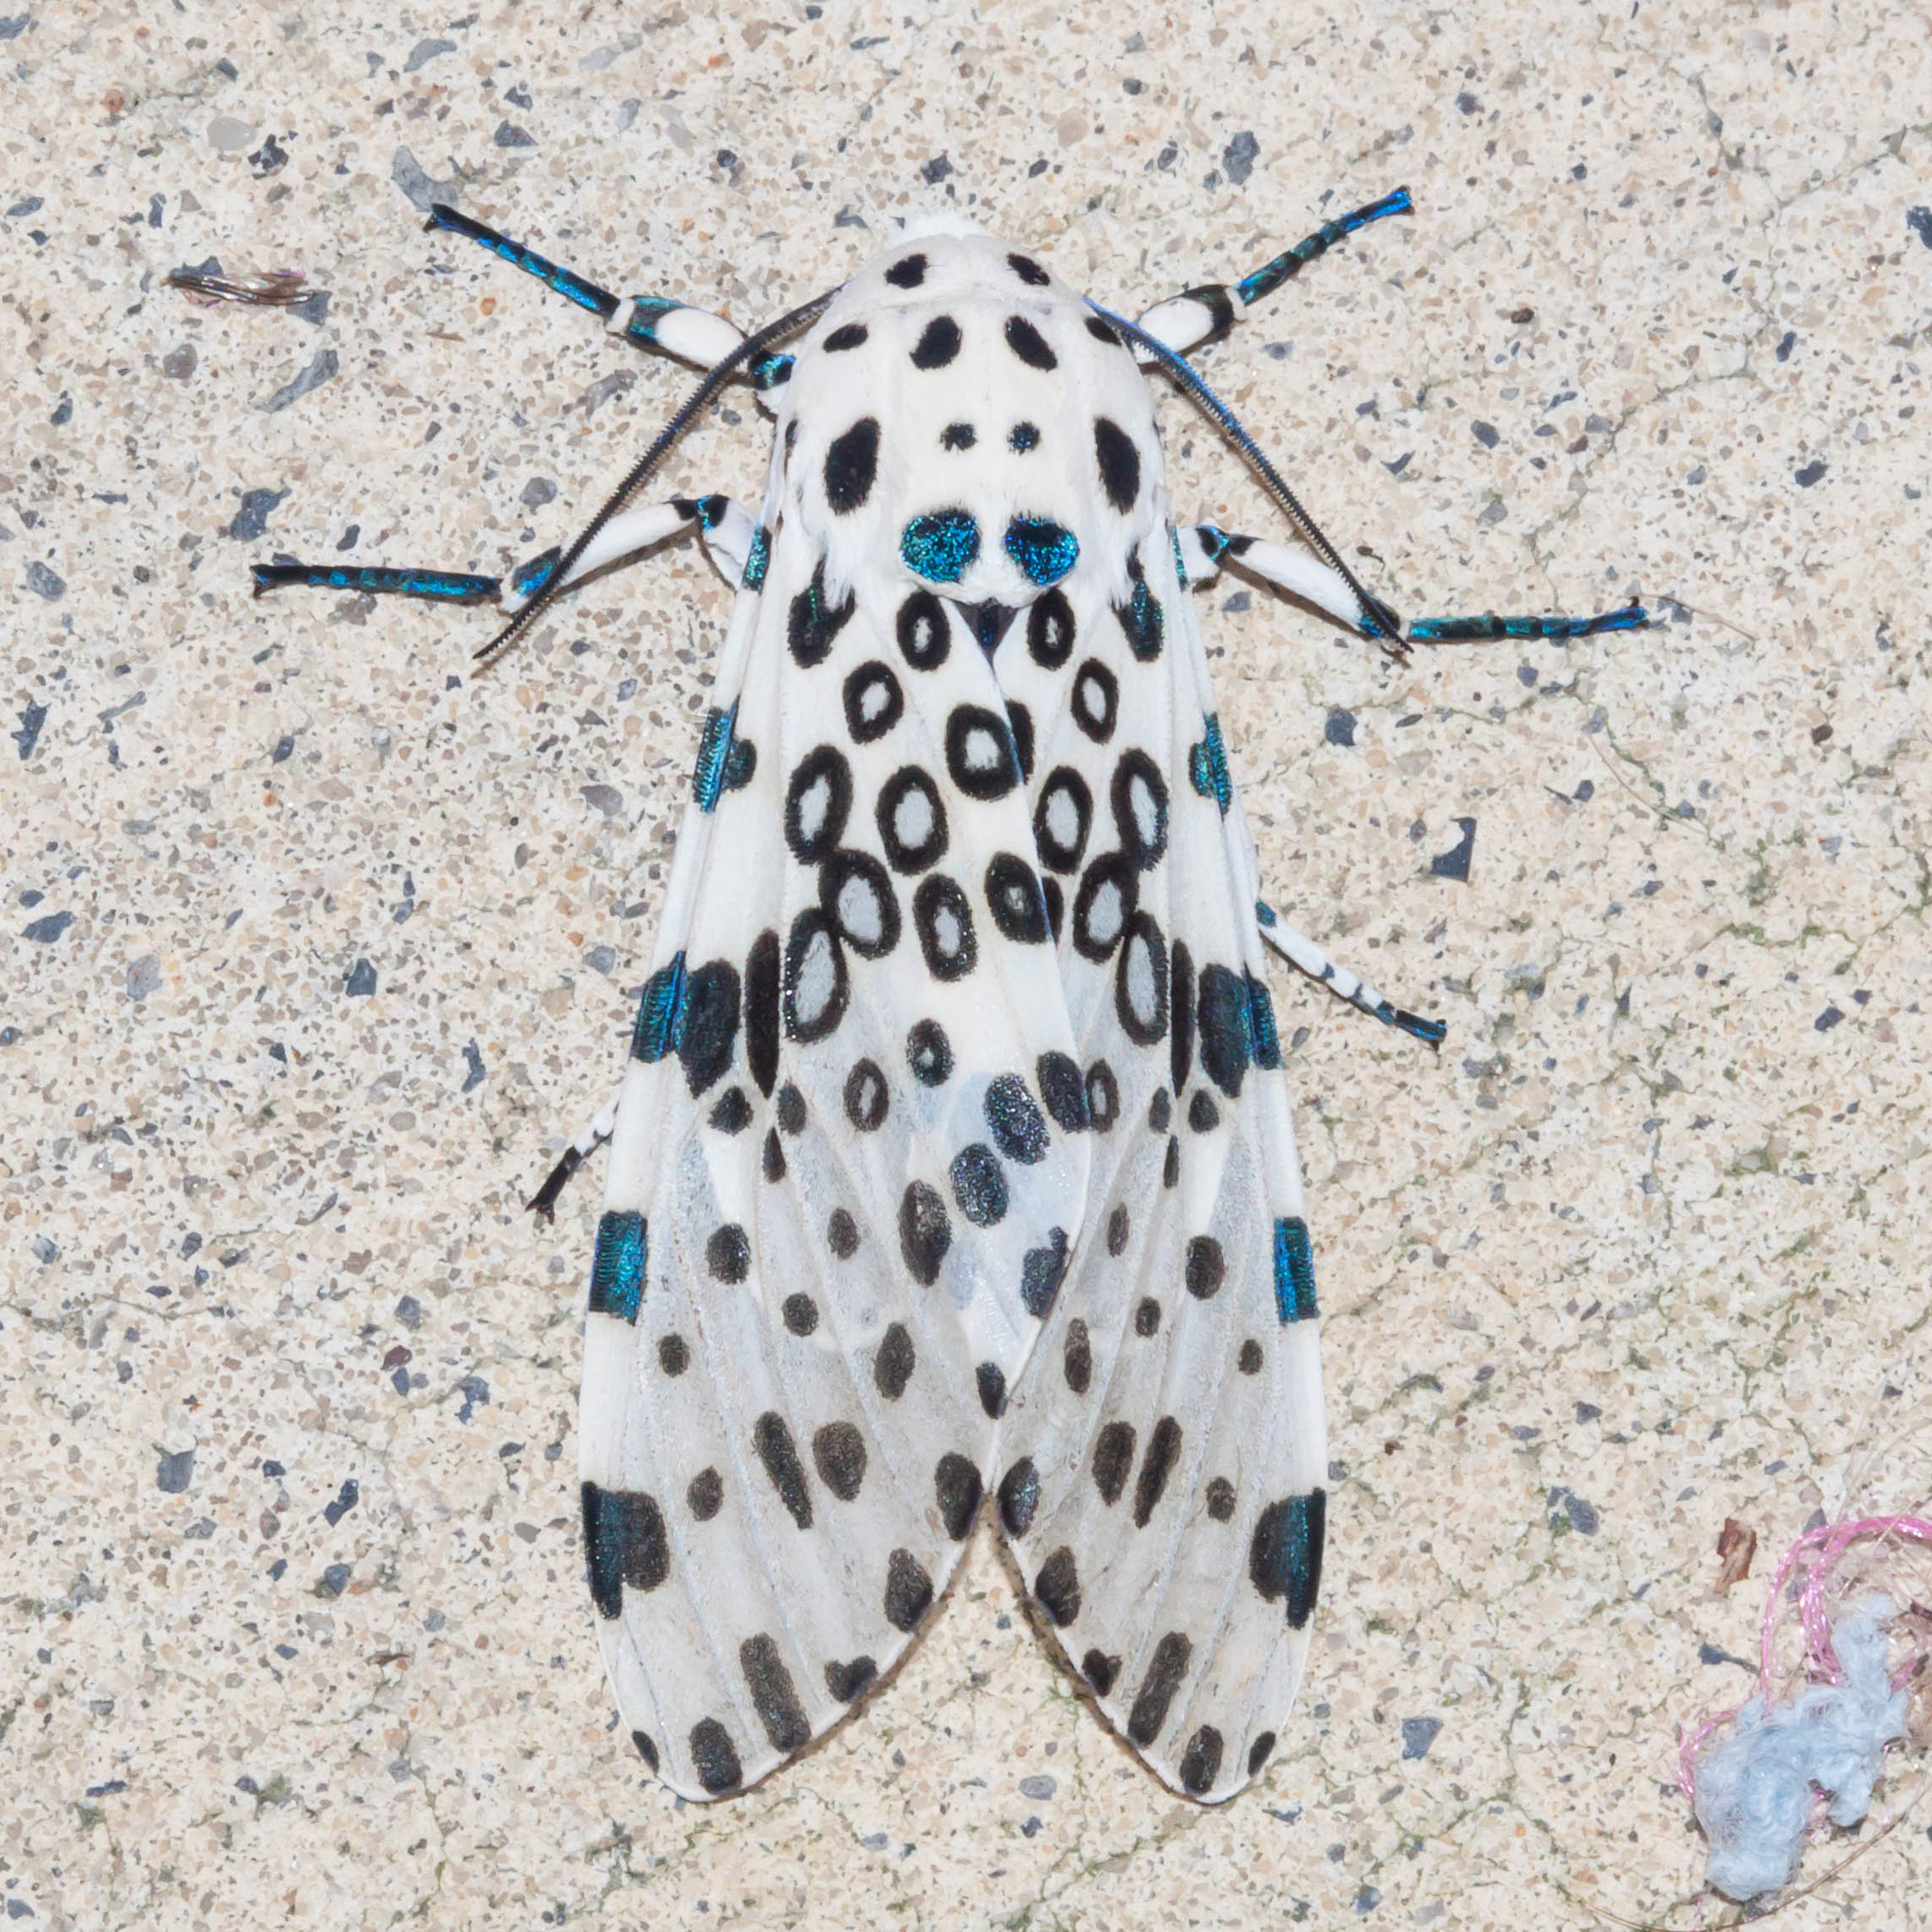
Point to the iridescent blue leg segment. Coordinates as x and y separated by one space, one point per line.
1489 627
443 586
1308 958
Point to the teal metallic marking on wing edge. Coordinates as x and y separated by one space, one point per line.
714 752
617 1270
1294 1270
660 1012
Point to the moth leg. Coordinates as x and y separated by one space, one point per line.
1307 956
1205 548
727 527
1197 317
543 1201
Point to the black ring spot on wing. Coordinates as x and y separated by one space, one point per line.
1097 703
938 343
817 982
1050 630
980 755
866 1098
873 702
818 801
930 1053
1105 907
1103 1097
1139 795
858 900
924 636
911 817
1140 982
1062 818
1028 344
852 466
944 921
1119 459
1012 895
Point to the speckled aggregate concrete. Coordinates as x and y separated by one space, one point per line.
316 944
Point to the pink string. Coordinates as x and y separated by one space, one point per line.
1820 1551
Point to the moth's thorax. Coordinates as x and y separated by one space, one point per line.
962 419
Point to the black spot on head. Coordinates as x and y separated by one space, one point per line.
1028 344
1058 1587
779 1455
1118 459
1259 1752
838 1453
810 625
924 1232
1249 1361
774 1158
727 1253
1113 1460
1226 1021
732 1114
1100 1670
1023 437
1013 897
1207 1268
979 752
908 271
1019 1497
850 336
1164 1674
979 1185
706 1495
1063 1090
674 1354
817 803
1103 1097
842 1234
714 1757
1201 1761
873 702
624 1544
909 1591
944 921
866 1100
937 343
801 1313
645 1749
761 985
1140 809
1041 1271
1018 1128
852 466
1029 271
958 436
1147 1315
847 1681
957 1488
1076 1359
1219 1499
1180 1040
1160 1111
892 1367
1119 1227
991 1380
912 817
1101 332
1163 1452
773 1694
930 1053
924 636
1097 700
791 1108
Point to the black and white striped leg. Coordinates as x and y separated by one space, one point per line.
727 529
1205 549
1308 958
652 321
1198 316
543 1202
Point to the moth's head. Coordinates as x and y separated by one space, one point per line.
963 421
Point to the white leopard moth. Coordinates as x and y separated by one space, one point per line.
951 1163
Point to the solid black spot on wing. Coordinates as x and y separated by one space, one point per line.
1119 459
930 1053
846 1681
1207 1267
873 702
838 1453
938 343
892 1367
1062 816
773 1694
1147 1317
979 752
958 436
1160 1111
791 1108
911 817
732 1114
1201 1761
1285 1553
674 1354
866 1100
1023 437
1018 1127
762 974
1163 1452
924 1232
1101 1671
1097 700
708 1036
1180 1040
1014 899
1021 719
858 899
728 1253
979 1185
1202 1115
909 1591
852 466
944 921
624 1544
1108 901
1219 1499
1029 271
1249 1361
1055 906
1140 981
1101 332
842 1234
957 1489
1171 1168
992 1388
800 1314
1113 1460
818 801
1076 1358
810 625
1041 1271
1140 809
1118 1227
908 271
1019 1497
645 1749
1259 1752
1103 1097
774 1162
1063 1090
715 1757
1028 344
779 1455
706 1495
817 983
850 336
1225 1023
1163 1678
1058 1587
924 636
